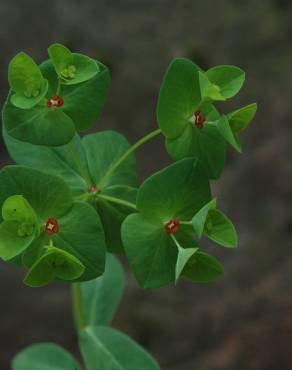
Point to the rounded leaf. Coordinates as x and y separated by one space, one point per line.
44 356
106 348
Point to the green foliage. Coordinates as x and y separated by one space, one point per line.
45 197
96 153
54 126
26 81
106 348
70 199
72 68
158 202
53 264
100 297
45 356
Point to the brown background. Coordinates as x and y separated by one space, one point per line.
245 320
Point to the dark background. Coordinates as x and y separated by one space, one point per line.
244 321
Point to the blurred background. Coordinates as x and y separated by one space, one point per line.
244 321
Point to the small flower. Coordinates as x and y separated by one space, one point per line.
199 119
55 102
172 226
52 226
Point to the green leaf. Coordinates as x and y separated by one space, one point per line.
220 229
229 79
184 255
203 268
199 220
11 243
102 151
112 215
20 227
106 348
179 97
81 234
17 208
45 356
49 196
60 56
205 144
72 68
54 264
100 297
24 102
39 125
150 251
83 102
26 81
226 131
96 153
241 118
177 191
56 126
208 89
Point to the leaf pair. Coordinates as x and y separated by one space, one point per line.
177 192
36 121
80 240
186 90
72 68
96 155
101 347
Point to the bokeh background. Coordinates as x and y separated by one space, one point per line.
244 321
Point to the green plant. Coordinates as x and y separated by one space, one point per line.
71 202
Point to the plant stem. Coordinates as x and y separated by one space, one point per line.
59 86
140 142
77 307
79 166
117 201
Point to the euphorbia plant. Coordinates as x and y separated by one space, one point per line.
70 203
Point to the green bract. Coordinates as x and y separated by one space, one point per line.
228 79
215 225
69 199
26 81
44 197
96 155
179 99
72 68
176 192
54 126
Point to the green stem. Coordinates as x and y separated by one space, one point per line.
114 167
117 201
78 164
77 307
59 86
185 222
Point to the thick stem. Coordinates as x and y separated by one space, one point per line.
117 201
77 307
140 142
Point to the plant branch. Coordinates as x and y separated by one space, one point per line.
125 156
117 201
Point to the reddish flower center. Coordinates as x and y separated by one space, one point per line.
55 102
93 189
199 119
52 226
172 226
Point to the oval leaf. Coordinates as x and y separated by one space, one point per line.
106 348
